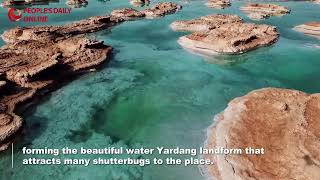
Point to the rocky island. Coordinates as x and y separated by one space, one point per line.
224 34
283 122
139 3
218 4
311 29
257 11
77 3
36 59
205 23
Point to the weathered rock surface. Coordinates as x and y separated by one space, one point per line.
77 3
127 14
284 122
261 11
139 3
36 58
218 4
89 25
162 9
205 23
232 38
311 29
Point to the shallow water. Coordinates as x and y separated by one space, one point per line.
155 93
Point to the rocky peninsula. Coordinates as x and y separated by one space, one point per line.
36 59
224 34
311 29
77 3
283 122
257 11
218 4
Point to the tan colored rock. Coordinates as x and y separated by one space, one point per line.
311 29
89 25
127 14
77 3
218 4
284 122
162 9
232 38
139 3
39 56
261 11
205 23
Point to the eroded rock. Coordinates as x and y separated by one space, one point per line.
139 3
162 9
39 57
232 38
205 23
218 4
127 13
77 3
262 11
311 29
283 122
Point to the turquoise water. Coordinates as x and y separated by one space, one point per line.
155 93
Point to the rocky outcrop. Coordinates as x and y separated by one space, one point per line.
262 11
232 38
139 3
127 14
39 57
285 123
205 23
77 3
162 9
311 29
218 4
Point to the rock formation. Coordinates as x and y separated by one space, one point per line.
205 23
311 29
127 13
261 11
218 4
39 57
284 122
77 3
139 3
232 38
162 9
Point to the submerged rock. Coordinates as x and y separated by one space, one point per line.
218 4
162 9
77 3
205 23
127 13
283 122
311 29
262 11
232 38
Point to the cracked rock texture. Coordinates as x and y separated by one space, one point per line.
311 29
286 123
257 11
231 38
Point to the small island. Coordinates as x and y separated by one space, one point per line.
310 29
257 11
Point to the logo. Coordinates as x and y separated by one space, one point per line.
12 14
